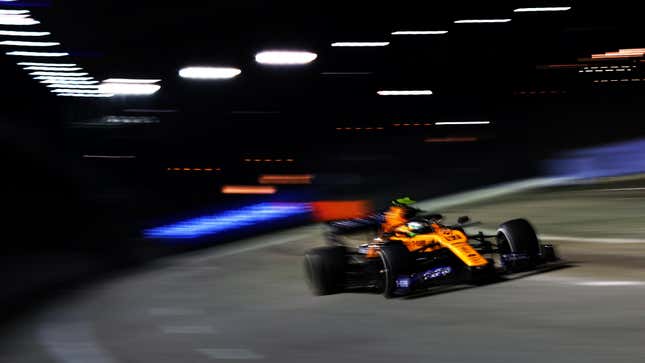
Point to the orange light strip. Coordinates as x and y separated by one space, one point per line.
194 169
248 189
450 139
268 160
622 53
285 179
360 128
414 124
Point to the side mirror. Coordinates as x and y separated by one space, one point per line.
463 219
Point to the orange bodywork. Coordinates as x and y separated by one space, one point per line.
394 217
454 240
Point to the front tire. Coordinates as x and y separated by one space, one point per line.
517 236
325 269
396 261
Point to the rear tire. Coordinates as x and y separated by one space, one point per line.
325 269
396 261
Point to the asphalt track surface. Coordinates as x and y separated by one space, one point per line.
248 302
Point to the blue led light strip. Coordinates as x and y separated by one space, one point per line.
227 221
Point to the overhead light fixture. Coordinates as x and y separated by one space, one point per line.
481 21
13 12
17 20
132 80
62 69
47 64
209 72
360 44
462 123
284 57
546 8
23 34
419 32
19 43
75 86
73 90
405 93
38 54
67 82
133 89
104 95
61 78
42 73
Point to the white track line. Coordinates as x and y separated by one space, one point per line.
607 240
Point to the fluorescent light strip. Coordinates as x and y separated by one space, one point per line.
19 43
67 82
58 73
131 80
405 93
69 78
360 44
38 54
546 8
72 90
209 72
109 156
75 86
283 57
13 12
129 88
481 21
420 32
23 34
104 95
47 64
62 69
17 20
462 123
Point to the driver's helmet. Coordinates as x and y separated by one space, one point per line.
415 226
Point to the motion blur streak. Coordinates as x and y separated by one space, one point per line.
450 139
229 220
209 72
23 34
286 179
248 189
38 54
405 93
335 210
285 57
134 89
29 44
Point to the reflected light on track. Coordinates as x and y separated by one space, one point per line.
284 57
248 189
229 220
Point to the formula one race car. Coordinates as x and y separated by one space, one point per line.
424 253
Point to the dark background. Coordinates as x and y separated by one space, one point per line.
58 204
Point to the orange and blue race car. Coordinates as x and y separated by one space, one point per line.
420 253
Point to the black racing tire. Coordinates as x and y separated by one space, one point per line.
518 236
396 261
325 269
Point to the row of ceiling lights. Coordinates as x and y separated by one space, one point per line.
67 81
63 79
